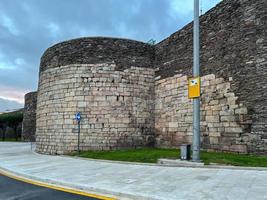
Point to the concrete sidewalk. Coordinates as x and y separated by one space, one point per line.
134 181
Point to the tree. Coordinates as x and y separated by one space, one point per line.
12 119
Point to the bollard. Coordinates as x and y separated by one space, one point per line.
185 151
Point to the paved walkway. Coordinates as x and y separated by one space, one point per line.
134 181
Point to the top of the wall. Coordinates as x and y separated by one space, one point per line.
213 12
90 50
30 95
225 33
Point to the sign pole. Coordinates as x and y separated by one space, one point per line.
196 101
79 122
78 119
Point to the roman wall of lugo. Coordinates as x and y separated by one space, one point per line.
132 94
29 117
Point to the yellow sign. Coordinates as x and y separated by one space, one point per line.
193 87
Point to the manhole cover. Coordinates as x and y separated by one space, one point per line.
202 178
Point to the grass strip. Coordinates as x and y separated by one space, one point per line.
151 155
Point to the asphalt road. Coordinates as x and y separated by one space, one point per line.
11 189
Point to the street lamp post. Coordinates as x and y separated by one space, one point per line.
196 101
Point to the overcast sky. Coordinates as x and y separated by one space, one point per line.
28 27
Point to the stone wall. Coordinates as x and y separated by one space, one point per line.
224 122
93 50
111 82
116 108
233 44
29 117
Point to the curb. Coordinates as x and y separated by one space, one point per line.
111 161
54 186
211 166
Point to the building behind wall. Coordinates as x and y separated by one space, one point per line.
133 94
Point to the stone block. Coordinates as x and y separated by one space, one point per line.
82 104
213 140
233 130
239 148
213 119
214 134
241 111
230 118
208 77
173 124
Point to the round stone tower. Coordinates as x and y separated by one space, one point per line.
109 81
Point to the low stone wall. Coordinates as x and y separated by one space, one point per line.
116 108
224 122
29 117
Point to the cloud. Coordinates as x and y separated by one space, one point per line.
6 105
13 94
8 23
28 28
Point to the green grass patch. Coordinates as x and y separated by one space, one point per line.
10 140
144 155
234 159
151 155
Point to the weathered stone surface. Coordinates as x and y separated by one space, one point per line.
234 47
116 108
92 50
29 117
132 94
173 115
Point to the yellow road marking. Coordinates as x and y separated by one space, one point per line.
42 184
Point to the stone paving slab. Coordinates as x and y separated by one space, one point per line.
134 181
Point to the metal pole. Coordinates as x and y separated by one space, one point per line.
196 101
78 136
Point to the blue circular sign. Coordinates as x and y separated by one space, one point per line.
78 116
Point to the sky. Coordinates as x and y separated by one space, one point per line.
28 27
